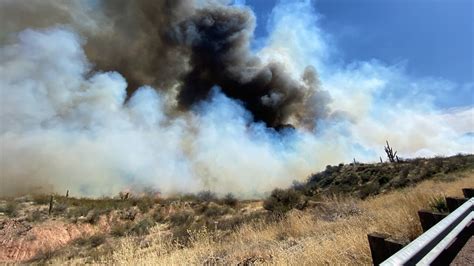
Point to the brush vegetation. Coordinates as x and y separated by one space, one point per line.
324 220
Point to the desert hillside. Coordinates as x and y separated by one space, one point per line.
322 221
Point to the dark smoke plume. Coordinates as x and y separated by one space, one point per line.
192 47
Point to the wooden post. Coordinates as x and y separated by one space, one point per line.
428 218
454 202
50 205
67 193
468 192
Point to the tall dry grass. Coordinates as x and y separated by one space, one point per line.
302 238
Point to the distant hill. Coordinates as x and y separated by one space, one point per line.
362 180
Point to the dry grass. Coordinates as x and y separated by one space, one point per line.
301 238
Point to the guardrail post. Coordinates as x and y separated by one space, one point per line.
428 218
393 246
468 192
382 247
454 202
377 247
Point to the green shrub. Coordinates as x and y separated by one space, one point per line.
438 204
281 201
369 190
383 180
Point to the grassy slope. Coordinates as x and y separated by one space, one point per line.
362 180
302 237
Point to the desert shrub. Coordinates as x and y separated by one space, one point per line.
93 216
400 183
41 199
206 196
43 256
93 208
128 214
144 203
281 201
120 229
369 190
92 241
428 170
181 218
34 216
181 235
452 165
105 204
230 200
10 209
383 180
142 227
78 211
214 210
158 216
60 208
438 204
404 172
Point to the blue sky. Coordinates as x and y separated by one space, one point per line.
430 38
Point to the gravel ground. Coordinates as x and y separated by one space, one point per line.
466 255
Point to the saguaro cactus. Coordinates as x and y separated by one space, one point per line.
392 156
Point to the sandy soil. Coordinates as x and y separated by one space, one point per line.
22 241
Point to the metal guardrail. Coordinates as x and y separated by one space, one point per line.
425 249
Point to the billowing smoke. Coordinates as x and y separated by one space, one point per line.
101 96
188 46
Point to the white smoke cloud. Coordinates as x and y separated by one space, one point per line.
63 126
378 101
